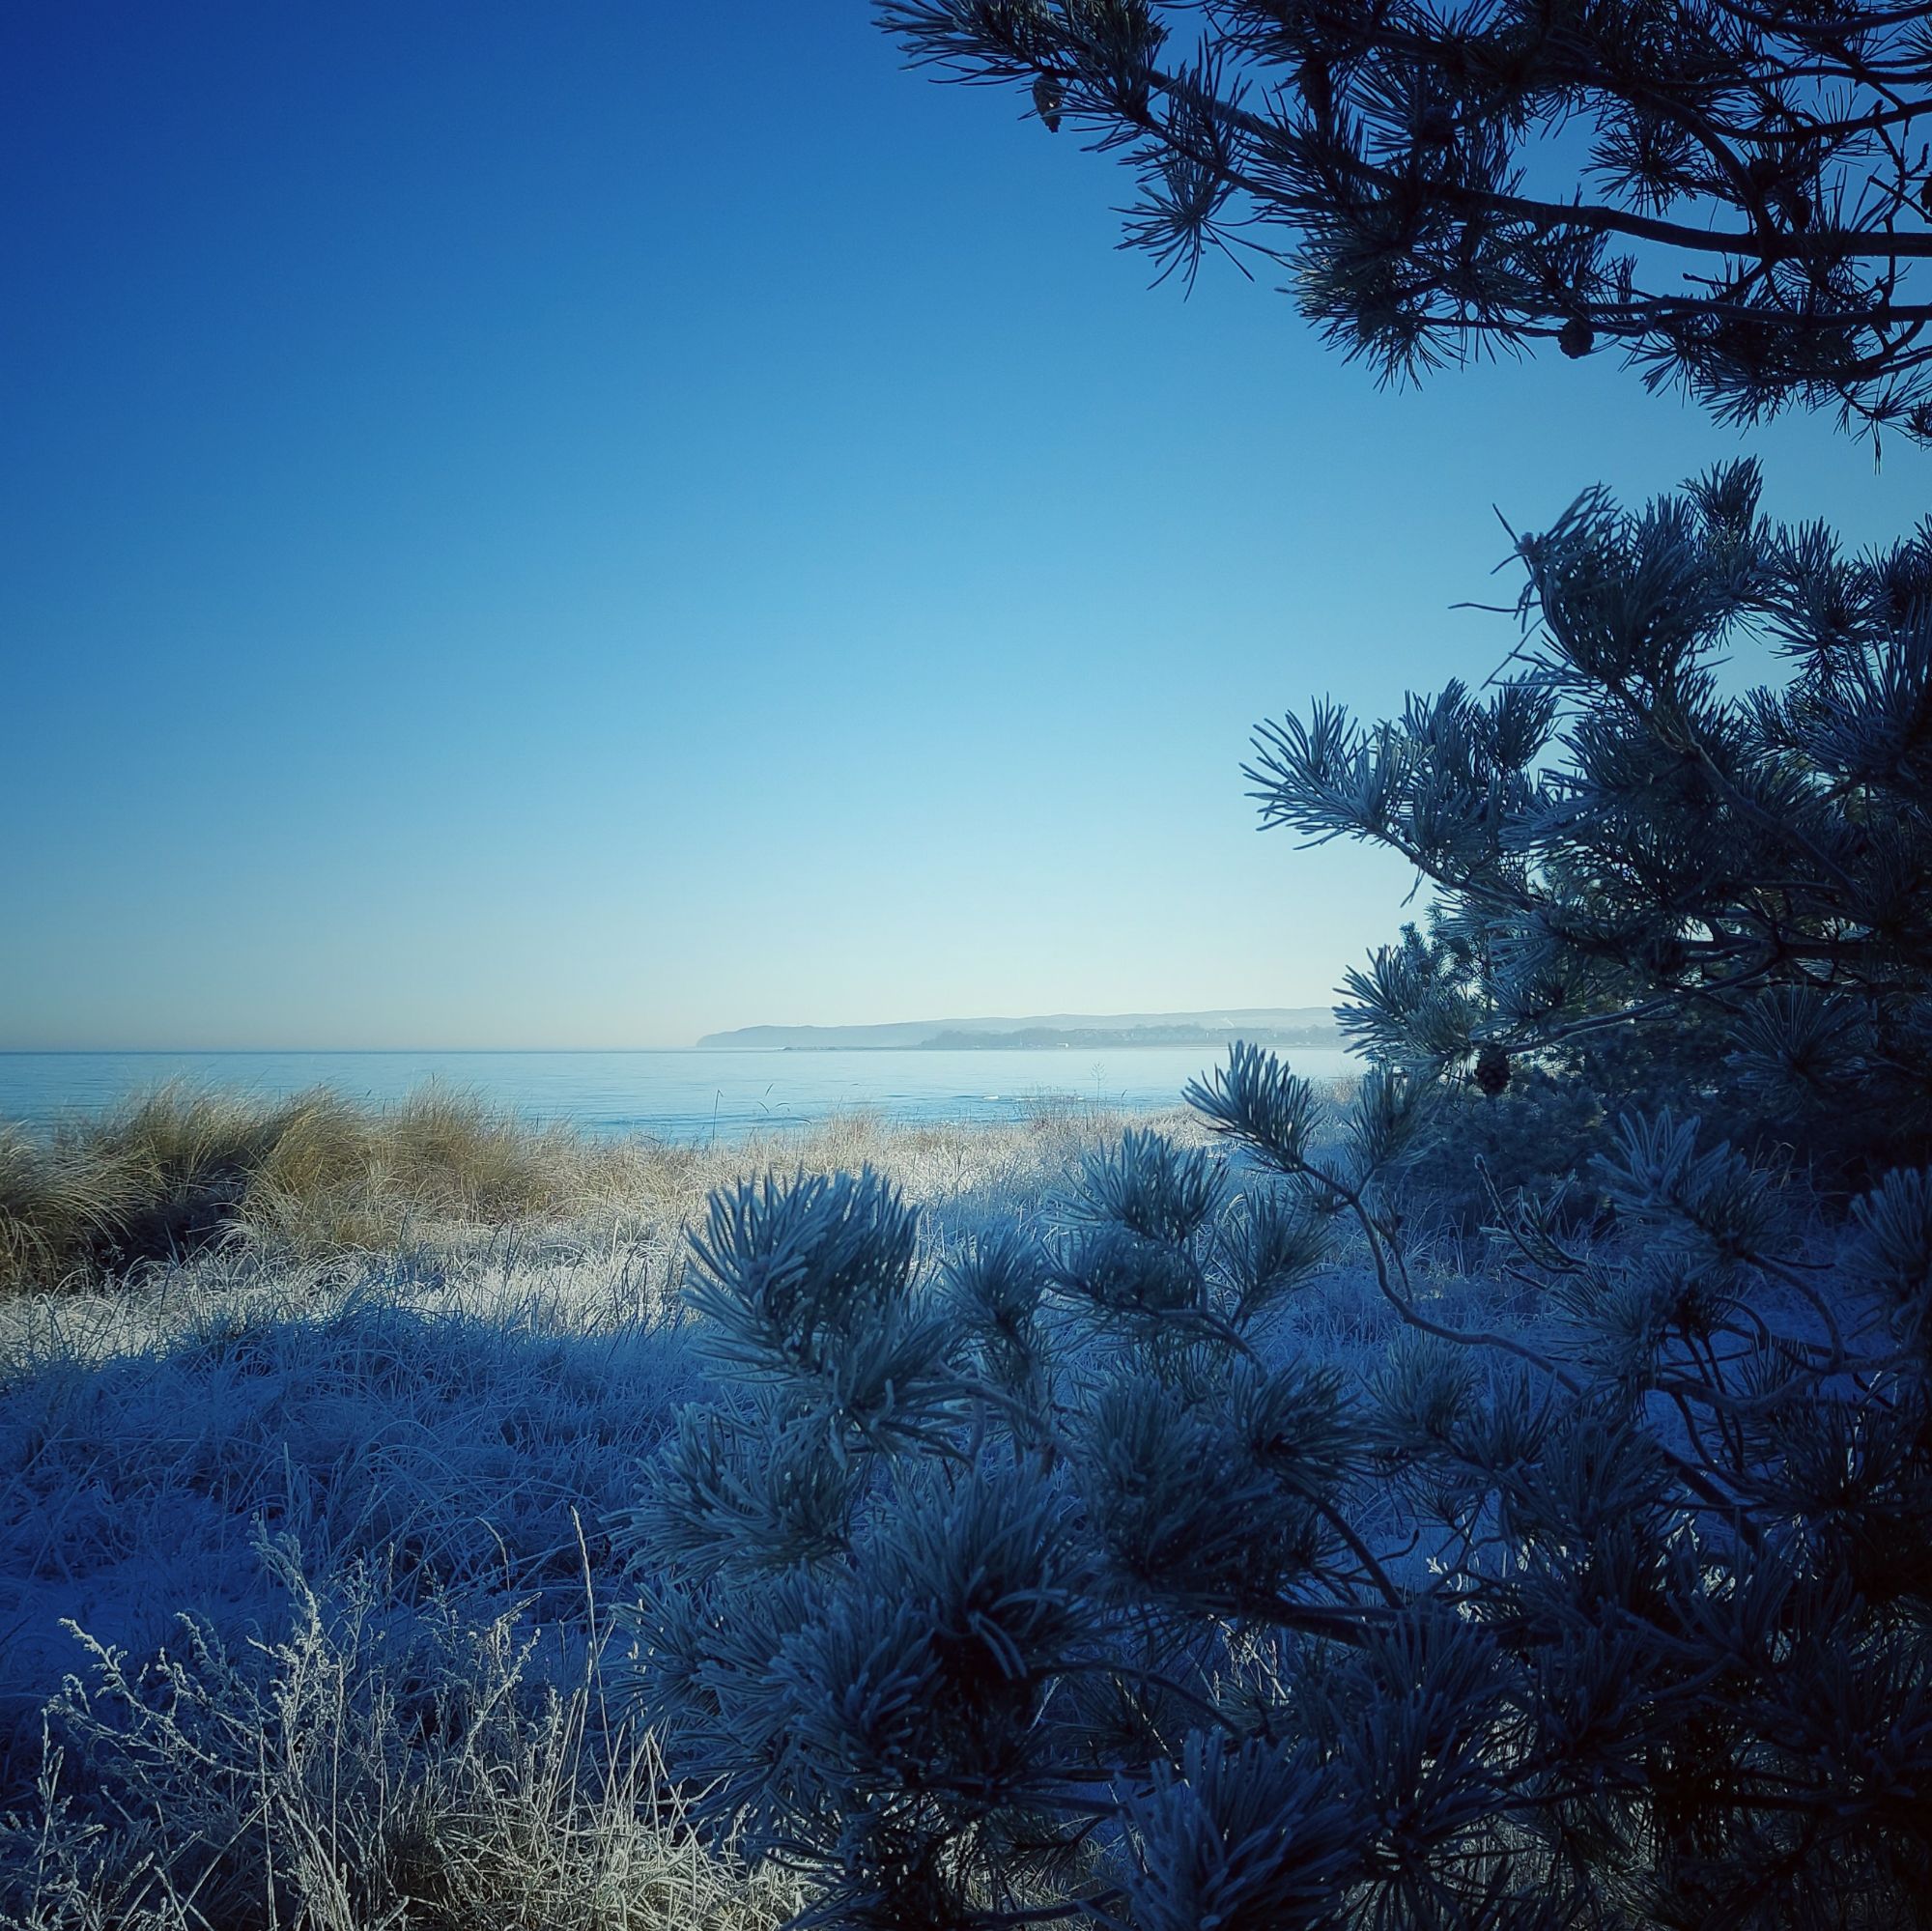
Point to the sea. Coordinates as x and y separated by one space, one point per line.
685 1095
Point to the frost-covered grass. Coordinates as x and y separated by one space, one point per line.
390 1757
338 1521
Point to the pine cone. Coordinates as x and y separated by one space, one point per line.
1493 1068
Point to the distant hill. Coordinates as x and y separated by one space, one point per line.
1265 1026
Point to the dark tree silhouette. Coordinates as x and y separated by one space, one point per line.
1734 192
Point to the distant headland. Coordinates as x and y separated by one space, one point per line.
1261 1026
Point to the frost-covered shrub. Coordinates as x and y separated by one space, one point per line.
1539 1138
1051 1583
1058 1585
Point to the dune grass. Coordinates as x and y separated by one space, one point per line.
53 1209
180 1169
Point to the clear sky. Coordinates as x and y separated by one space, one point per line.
581 524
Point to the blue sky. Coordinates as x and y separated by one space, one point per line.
577 525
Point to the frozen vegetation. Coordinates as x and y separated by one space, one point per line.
319 1519
1497 1495
1100 1568
334 1576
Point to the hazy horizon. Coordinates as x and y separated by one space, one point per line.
575 527
254 1048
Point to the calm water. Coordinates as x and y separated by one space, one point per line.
679 1094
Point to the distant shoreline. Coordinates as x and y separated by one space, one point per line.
1048 1031
996 1043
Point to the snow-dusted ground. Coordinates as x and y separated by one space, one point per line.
311 1562
339 1468
264 1513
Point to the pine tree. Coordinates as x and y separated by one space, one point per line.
1618 837
1051 1579
1733 192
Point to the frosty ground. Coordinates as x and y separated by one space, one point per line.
311 1554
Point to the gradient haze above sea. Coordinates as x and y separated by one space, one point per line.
682 1095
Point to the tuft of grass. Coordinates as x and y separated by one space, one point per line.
346 1177
171 1169
54 1206
183 1169
363 1771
